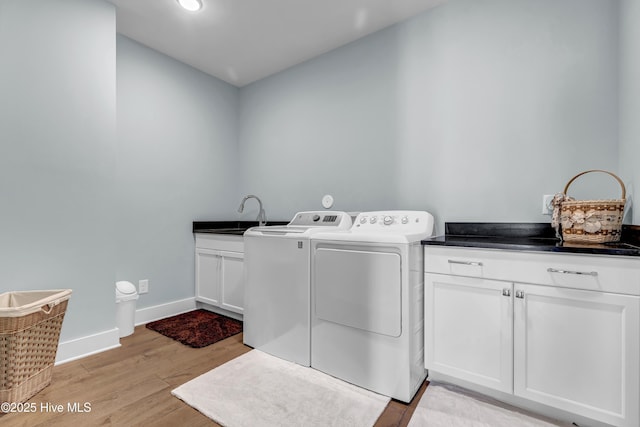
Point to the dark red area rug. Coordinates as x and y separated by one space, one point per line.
198 328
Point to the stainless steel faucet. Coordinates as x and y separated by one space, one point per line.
262 218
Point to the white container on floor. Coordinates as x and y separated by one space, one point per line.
126 297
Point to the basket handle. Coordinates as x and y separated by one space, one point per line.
624 190
49 306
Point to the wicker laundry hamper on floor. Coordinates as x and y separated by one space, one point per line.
30 323
589 221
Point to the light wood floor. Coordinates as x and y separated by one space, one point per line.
131 385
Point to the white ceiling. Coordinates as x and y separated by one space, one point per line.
241 41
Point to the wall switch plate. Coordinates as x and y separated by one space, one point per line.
143 286
547 207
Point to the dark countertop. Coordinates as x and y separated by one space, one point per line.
530 237
228 227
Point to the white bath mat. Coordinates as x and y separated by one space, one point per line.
257 389
446 406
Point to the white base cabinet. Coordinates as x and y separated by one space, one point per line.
470 330
562 346
219 271
578 351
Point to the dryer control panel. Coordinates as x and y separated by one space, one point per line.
397 222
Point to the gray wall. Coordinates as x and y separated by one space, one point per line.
325 126
630 99
57 154
177 162
472 110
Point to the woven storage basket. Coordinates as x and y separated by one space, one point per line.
592 221
30 323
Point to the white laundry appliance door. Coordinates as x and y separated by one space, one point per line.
277 305
359 289
357 317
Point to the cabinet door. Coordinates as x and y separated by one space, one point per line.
578 351
232 281
469 329
208 264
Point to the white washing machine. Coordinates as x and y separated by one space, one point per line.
367 316
277 263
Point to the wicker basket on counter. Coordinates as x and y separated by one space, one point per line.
591 221
30 323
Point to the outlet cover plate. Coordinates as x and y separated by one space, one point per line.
143 286
547 207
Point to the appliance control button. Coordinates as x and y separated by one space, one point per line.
405 219
316 218
388 220
373 220
363 220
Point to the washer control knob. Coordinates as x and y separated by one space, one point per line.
388 220
373 220
363 220
405 219
316 218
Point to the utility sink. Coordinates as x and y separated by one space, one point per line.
228 227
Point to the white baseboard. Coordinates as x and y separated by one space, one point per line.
86 346
149 314
102 341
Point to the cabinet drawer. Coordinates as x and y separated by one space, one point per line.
599 273
222 242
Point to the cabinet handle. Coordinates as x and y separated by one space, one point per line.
519 294
476 263
582 273
506 292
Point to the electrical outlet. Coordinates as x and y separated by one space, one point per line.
547 207
143 286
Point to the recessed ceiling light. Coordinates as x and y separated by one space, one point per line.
191 5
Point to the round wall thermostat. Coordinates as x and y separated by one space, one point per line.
327 201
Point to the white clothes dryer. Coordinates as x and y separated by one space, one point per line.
367 315
277 273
